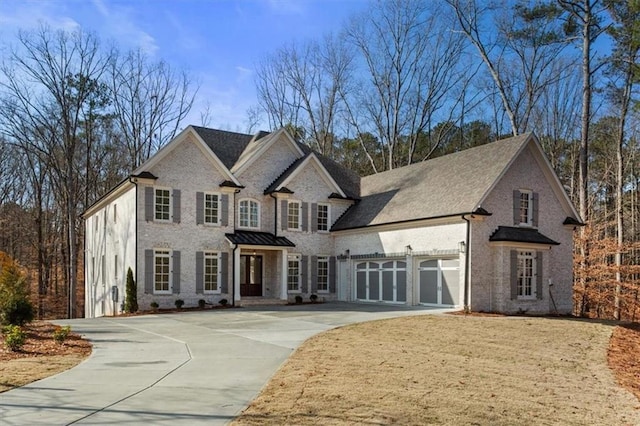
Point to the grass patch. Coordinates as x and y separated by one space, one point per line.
449 370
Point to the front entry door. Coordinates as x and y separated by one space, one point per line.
250 275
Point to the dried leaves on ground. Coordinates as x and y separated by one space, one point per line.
450 370
40 357
624 356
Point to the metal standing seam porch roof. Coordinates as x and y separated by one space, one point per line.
255 238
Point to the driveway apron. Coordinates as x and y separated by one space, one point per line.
185 368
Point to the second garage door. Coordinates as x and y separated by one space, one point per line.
439 281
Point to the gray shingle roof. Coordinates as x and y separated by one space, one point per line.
444 186
226 145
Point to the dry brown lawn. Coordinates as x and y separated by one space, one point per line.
450 370
40 357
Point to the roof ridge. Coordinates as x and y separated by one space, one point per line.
272 186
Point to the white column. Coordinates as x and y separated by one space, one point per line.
411 282
285 272
236 273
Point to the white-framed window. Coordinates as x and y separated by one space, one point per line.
526 278
323 217
211 208
323 274
211 273
526 207
162 271
293 215
249 214
162 204
293 272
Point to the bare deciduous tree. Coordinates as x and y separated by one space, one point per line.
150 101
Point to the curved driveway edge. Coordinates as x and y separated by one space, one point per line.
185 368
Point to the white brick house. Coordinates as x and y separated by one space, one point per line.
218 215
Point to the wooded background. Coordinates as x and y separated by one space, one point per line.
404 81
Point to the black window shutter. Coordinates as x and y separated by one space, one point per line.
534 207
314 217
539 294
148 271
516 207
332 274
175 285
314 274
224 272
284 214
224 210
148 204
176 206
199 272
199 208
305 217
304 267
514 274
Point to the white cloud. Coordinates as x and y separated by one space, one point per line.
120 24
243 73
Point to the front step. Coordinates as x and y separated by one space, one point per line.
260 301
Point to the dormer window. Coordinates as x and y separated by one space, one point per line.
249 214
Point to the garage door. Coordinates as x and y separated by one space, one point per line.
439 281
381 281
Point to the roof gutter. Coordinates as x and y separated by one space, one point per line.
467 264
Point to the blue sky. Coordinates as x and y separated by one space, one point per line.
217 41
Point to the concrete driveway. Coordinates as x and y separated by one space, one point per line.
187 368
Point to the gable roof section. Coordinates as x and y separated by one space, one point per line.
258 146
450 185
227 146
297 167
175 142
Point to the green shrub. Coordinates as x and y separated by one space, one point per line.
179 303
154 305
313 298
131 298
201 303
61 333
14 337
223 302
298 299
15 306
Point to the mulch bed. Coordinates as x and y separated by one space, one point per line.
40 343
624 356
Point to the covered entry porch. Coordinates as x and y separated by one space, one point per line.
259 266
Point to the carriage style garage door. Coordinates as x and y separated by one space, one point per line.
381 281
439 281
